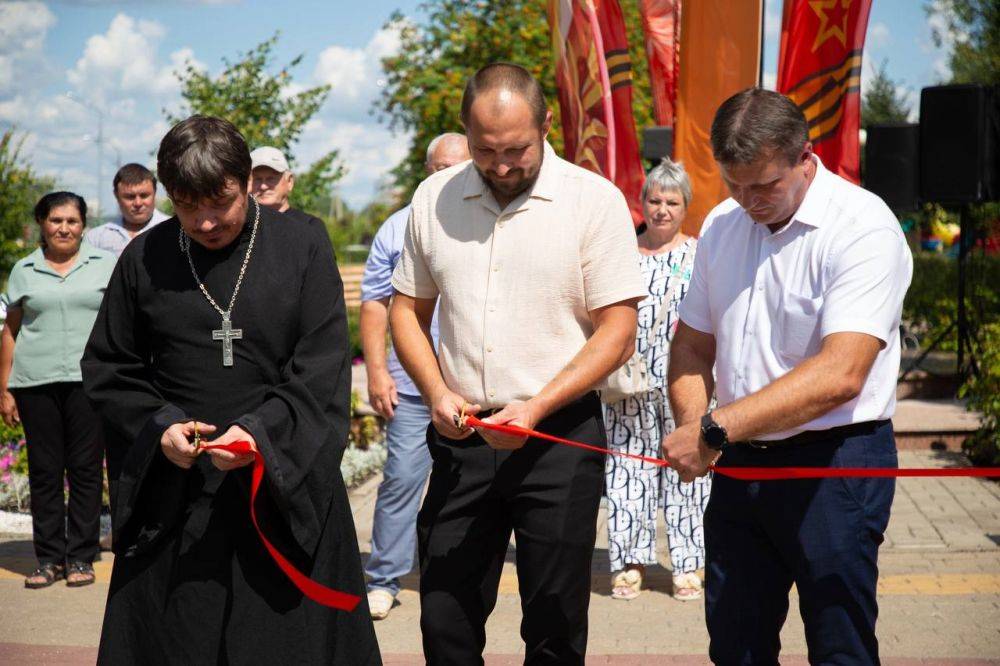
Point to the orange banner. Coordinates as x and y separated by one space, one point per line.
594 78
819 68
720 55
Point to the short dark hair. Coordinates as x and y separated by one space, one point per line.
756 122
55 199
198 155
505 76
132 174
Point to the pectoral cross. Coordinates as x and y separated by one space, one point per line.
227 334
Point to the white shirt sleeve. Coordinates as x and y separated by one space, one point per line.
694 310
868 278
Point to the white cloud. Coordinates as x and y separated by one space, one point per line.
123 71
124 59
770 80
937 27
23 28
878 35
356 74
369 151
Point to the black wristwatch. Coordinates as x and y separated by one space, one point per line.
715 435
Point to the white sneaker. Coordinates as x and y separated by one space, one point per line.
380 603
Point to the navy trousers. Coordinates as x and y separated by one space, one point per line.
822 535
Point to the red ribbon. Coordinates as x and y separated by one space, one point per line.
753 473
315 591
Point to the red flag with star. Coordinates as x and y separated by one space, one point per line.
819 68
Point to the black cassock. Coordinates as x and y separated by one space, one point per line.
192 584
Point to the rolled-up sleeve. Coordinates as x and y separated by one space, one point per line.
868 278
412 276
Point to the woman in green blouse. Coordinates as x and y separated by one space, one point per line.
53 296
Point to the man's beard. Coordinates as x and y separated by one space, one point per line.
509 189
513 188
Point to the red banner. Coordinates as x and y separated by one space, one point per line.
594 77
819 68
661 23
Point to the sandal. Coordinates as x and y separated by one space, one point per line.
688 586
44 575
79 574
626 584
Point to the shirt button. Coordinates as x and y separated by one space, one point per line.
500 224
489 350
492 393
760 287
492 309
496 268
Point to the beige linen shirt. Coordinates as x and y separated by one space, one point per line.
516 285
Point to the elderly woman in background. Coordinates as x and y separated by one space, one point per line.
637 424
53 296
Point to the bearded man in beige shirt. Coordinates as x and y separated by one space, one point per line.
535 263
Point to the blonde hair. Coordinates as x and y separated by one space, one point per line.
669 175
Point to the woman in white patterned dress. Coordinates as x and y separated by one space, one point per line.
637 424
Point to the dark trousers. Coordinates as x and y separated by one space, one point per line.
822 535
548 494
63 435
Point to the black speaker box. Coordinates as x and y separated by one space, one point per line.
891 159
657 143
959 152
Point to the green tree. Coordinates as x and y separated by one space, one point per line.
425 79
20 189
973 28
258 103
882 103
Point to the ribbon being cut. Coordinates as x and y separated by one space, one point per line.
748 473
315 591
344 601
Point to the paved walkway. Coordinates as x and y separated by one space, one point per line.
939 594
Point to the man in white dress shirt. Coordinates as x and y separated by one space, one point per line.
795 299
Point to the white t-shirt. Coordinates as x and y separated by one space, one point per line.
840 265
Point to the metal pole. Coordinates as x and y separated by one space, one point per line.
100 159
964 239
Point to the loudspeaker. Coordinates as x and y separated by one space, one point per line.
959 152
657 143
891 158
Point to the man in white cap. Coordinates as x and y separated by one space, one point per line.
272 181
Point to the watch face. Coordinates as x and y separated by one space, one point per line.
714 434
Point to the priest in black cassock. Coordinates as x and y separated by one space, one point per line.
230 318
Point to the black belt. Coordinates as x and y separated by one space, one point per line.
811 436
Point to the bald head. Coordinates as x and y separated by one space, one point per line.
501 82
446 150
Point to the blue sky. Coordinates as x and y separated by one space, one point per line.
119 57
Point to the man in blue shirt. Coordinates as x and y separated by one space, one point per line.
394 396
135 191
